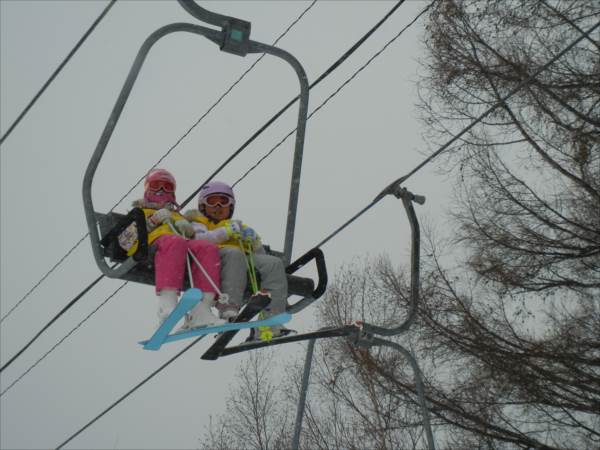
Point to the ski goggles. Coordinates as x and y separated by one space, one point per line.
219 200
165 185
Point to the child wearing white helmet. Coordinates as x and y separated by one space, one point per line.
213 222
168 232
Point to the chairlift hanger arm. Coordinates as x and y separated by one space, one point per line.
407 199
203 14
235 32
367 340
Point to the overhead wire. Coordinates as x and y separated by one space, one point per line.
377 199
128 393
496 105
324 75
58 69
45 327
388 189
337 91
39 360
60 261
35 286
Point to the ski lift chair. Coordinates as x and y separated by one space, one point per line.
112 224
234 38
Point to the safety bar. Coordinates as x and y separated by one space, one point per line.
217 37
316 254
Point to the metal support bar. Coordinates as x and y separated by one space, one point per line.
366 340
303 390
418 383
298 146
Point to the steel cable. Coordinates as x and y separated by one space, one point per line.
58 69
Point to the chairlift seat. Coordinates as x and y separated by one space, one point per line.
143 272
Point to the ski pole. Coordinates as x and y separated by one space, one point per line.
189 270
223 298
247 252
265 333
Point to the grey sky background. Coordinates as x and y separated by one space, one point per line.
364 138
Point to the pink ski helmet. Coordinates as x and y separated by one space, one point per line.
215 188
159 187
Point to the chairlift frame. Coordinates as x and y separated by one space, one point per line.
234 38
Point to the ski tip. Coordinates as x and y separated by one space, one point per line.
152 346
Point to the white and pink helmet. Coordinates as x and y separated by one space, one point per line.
159 187
215 188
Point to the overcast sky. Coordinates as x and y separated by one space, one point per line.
364 138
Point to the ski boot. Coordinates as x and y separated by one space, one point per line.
167 301
201 315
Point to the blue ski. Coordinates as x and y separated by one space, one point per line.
274 320
189 299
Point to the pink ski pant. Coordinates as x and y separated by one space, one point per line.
170 264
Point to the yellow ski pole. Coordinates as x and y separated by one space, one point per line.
265 332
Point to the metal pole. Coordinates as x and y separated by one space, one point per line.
303 390
418 383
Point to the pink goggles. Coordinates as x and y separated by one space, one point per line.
165 185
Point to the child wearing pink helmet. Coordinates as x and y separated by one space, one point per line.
213 222
168 232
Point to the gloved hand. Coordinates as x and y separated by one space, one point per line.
249 234
160 216
234 229
185 228
128 237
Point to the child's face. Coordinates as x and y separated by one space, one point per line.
215 207
160 197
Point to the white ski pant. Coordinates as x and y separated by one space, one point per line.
234 278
